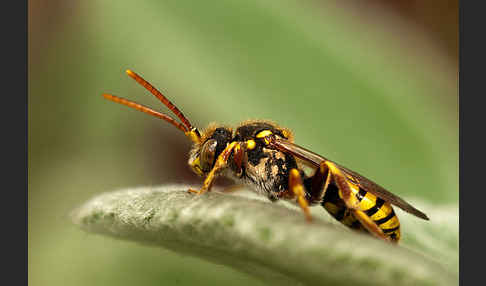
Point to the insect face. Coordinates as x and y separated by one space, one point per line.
203 155
202 158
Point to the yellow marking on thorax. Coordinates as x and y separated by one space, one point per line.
250 144
264 133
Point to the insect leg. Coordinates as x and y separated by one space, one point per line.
296 188
352 202
318 184
221 163
370 225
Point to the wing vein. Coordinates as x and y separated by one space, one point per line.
314 159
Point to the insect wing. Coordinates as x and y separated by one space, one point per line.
379 191
368 185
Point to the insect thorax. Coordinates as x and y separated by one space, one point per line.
264 169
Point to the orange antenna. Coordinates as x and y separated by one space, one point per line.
146 110
161 97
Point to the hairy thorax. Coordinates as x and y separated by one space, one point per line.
263 168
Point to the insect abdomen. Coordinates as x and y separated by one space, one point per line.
381 212
336 207
376 208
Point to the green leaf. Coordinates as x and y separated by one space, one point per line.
272 241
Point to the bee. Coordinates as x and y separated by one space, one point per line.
263 156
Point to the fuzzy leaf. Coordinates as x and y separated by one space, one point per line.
272 241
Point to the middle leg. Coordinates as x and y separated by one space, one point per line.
296 190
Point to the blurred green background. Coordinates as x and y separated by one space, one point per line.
372 86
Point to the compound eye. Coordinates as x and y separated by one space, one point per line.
208 152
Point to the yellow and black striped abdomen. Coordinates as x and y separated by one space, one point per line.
337 208
380 212
376 208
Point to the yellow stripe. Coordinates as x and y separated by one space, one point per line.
250 144
263 133
368 201
385 210
393 222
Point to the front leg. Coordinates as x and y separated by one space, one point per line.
220 164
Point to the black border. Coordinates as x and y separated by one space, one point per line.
471 148
14 118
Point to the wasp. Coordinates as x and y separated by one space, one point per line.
263 155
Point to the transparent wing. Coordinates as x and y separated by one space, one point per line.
368 185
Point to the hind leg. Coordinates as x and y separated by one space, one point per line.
352 202
369 224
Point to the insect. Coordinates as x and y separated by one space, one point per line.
262 155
